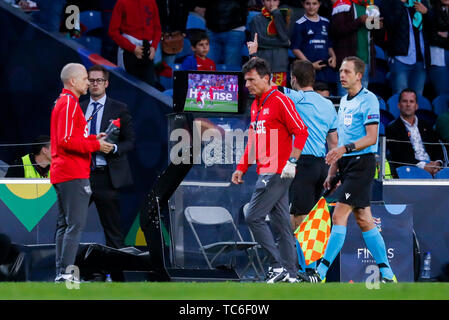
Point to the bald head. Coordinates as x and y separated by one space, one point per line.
74 78
70 71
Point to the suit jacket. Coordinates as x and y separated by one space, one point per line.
404 152
118 165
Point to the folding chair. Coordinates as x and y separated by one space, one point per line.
213 216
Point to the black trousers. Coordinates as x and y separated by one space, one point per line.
140 68
106 199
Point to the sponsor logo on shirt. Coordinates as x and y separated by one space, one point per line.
373 116
347 120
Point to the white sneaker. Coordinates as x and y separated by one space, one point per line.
63 277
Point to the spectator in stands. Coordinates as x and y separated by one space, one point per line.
271 27
350 37
35 164
136 28
226 21
322 88
407 128
311 42
199 60
439 47
173 16
407 26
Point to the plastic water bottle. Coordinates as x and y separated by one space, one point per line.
113 131
425 274
108 278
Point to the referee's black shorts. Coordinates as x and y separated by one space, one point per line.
307 186
357 175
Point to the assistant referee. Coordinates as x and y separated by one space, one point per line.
319 114
358 123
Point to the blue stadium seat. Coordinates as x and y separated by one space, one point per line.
441 104
92 43
385 118
442 174
168 92
225 67
382 104
166 82
427 115
195 21
380 54
392 102
412 172
91 20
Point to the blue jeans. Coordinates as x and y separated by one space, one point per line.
404 76
49 15
365 81
439 76
226 47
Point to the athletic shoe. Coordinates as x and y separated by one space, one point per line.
275 276
312 277
293 280
63 277
386 280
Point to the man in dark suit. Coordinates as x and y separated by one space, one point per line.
109 171
416 133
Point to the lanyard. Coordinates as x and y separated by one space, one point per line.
261 106
94 113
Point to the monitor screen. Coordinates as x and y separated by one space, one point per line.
207 91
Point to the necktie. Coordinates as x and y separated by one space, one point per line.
93 129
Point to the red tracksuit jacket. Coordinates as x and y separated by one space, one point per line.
71 145
138 18
274 120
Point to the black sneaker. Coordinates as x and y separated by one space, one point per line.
273 276
312 277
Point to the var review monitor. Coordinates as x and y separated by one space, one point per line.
208 91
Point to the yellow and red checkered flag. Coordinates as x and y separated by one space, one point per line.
314 232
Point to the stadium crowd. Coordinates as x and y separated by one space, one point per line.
404 43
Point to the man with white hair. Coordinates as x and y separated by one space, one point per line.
70 166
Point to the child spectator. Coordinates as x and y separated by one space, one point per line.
271 26
310 41
200 48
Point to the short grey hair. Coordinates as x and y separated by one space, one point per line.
70 71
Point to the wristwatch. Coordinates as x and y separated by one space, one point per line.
293 160
350 147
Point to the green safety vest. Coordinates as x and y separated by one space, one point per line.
388 174
28 168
